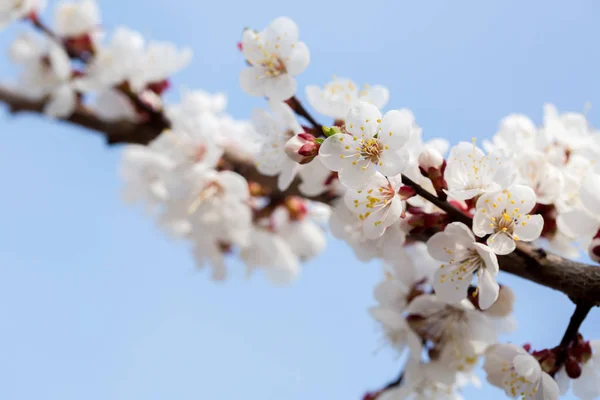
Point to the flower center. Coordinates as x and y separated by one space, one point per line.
370 150
465 267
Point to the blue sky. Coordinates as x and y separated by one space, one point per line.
96 303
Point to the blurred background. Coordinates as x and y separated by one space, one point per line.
97 303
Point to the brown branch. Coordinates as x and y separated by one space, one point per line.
579 281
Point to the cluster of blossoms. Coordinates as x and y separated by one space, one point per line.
369 174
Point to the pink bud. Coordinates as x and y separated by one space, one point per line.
594 250
302 148
430 158
572 368
406 192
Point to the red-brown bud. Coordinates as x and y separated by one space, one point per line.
302 148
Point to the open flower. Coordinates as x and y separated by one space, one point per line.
470 172
276 57
339 95
457 333
74 19
505 216
457 247
371 144
275 130
512 369
583 221
378 205
12 10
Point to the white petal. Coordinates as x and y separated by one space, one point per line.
576 223
283 27
235 185
376 95
332 150
461 233
362 120
488 289
355 177
527 366
489 258
441 246
392 163
289 170
62 102
299 59
482 223
529 229
590 193
60 61
450 290
501 243
464 194
563 381
280 88
252 81
524 199
396 128
548 389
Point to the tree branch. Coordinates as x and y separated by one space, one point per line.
581 282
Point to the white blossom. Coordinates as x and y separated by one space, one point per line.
338 96
512 369
275 130
459 332
463 256
12 10
470 173
378 205
371 144
74 19
505 216
276 57
583 221
47 72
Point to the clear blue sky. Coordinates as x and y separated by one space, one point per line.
96 303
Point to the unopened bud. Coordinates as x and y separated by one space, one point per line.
302 148
572 368
430 158
406 192
594 249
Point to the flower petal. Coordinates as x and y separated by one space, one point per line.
489 258
576 223
590 193
529 227
298 60
356 176
488 289
336 150
447 288
252 81
280 88
362 120
521 198
501 243
396 128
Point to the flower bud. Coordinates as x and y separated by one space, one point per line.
302 148
594 249
432 165
430 158
572 368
